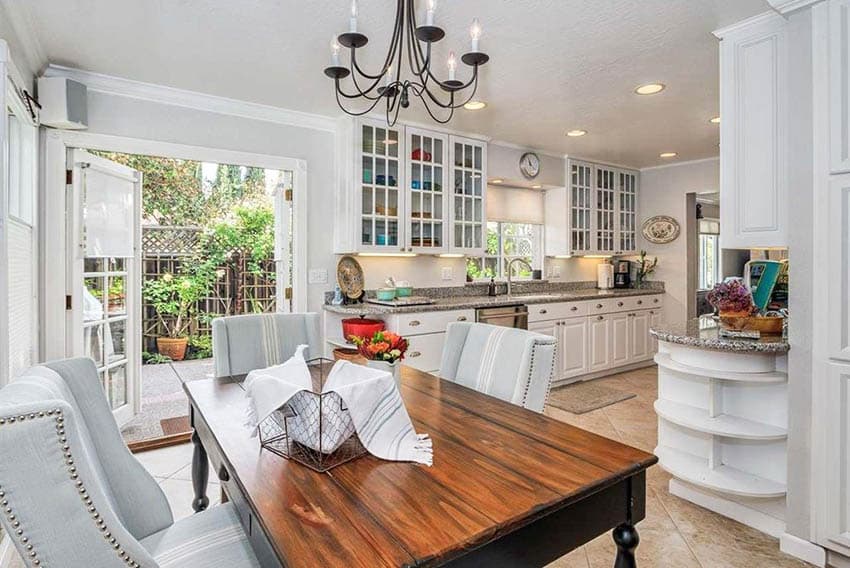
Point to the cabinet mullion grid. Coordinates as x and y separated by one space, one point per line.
426 191
380 203
628 202
605 206
581 200
468 196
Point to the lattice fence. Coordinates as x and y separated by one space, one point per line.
237 290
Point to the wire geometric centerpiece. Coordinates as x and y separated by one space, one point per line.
313 428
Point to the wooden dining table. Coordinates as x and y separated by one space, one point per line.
508 488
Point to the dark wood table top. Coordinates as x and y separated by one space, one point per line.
497 467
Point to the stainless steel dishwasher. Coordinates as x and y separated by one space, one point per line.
505 316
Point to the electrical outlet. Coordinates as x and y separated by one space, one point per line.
448 273
317 276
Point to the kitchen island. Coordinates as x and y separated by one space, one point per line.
723 419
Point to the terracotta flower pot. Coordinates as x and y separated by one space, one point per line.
173 347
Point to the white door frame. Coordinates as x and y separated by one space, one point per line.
56 144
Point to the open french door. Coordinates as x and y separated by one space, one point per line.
103 275
284 222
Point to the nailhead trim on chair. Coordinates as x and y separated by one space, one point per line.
531 373
32 555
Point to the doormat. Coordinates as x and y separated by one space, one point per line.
176 425
583 397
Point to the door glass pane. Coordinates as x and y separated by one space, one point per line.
459 155
366 236
116 341
438 151
380 141
93 343
392 203
118 386
367 169
380 171
393 145
117 296
427 154
93 288
367 201
392 174
478 162
368 140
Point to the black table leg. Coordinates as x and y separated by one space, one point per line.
626 538
200 474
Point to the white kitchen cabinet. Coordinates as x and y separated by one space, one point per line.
426 168
753 133
839 243
599 332
621 339
553 330
425 352
839 86
595 214
640 342
654 322
409 190
468 182
573 348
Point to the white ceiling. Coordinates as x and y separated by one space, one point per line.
556 64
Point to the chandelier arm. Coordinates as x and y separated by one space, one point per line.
358 94
353 113
414 51
365 93
434 117
398 28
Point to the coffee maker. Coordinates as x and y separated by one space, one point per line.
622 274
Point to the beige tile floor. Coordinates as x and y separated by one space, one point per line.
675 532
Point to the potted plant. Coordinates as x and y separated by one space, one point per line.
175 298
734 302
644 269
384 350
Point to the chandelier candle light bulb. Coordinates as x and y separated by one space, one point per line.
452 63
335 47
475 34
429 14
352 23
389 78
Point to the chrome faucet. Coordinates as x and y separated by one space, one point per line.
510 266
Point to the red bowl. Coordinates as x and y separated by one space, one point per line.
361 327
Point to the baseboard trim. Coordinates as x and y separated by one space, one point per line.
736 511
802 549
605 373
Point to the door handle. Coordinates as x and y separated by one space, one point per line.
414 354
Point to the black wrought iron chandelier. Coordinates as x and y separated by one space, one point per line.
388 85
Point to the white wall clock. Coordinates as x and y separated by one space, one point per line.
660 229
529 165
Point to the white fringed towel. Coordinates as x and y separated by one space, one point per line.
374 404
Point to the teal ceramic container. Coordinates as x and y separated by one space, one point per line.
385 294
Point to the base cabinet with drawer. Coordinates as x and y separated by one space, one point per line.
598 335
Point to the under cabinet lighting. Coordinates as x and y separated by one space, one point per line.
650 88
388 254
497 181
576 133
563 256
451 255
536 186
668 155
715 120
597 256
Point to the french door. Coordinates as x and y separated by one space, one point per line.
283 239
103 286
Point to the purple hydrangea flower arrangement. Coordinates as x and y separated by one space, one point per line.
731 296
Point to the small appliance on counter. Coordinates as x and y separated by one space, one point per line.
623 274
605 276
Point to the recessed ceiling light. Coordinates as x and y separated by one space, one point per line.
650 88
537 186
715 120
667 155
475 105
576 133
497 181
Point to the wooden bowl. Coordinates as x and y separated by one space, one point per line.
768 324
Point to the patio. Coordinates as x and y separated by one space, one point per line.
164 409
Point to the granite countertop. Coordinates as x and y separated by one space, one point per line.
471 302
703 333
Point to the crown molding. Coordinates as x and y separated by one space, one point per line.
192 99
764 19
677 164
22 24
787 6
599 162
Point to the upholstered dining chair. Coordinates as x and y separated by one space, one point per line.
514 365
73 496
244 343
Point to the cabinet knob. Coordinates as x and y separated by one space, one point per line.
544 312
409 249
461 318
574 309
652 311
598 306
600 317
414 354
655 300
414 323
639 302
619 304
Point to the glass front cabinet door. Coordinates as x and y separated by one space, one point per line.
581 207
427 225
606 211
627 207
381 226
468 178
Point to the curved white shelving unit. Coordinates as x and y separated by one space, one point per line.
722 425
726 479
664 360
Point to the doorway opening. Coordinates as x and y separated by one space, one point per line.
214 239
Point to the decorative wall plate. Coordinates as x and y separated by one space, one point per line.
349 276
661 229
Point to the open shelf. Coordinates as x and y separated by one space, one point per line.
725 479
340 342
722 425
664 360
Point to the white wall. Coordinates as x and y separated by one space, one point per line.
662 192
